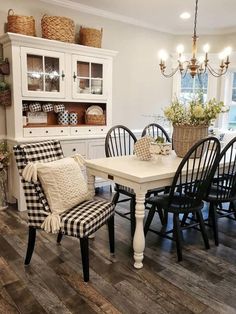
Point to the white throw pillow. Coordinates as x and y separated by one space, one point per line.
63 183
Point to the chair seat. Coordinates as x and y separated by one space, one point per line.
86 218
176 206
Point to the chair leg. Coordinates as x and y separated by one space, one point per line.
59 237
203 229
212 214
232 207
178 236
116 198
162 216
132 215
85 257
148 222
31 243
183 221
110 224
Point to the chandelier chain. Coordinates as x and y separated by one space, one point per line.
195 20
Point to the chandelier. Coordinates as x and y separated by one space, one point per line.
195 65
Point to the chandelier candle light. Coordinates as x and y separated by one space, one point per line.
195 65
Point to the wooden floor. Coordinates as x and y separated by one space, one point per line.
205 282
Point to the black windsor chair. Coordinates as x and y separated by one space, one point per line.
120 142
187 190
223 188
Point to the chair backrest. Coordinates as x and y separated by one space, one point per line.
37 206
119 141
193 176
154 130
224 180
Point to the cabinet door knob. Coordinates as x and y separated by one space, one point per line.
74 76
61 131
74 149
63 75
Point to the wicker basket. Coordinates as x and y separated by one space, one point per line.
95 119
90 37
58 28
184 137
20 24
5 97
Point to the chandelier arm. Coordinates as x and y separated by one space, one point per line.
216 73
171 73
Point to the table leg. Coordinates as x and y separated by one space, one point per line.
91 184
139 239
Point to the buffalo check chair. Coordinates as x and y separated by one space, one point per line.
81 221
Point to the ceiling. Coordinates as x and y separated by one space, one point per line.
214 16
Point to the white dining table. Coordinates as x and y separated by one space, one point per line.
139 175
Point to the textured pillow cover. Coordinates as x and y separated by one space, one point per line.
63 184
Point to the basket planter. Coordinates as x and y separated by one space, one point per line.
20 24
94 119
90 37
58 28
184 137
5 97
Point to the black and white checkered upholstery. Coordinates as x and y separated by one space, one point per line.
86 218
82 220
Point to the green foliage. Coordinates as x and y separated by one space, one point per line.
159 139
4 154
4 86
195 112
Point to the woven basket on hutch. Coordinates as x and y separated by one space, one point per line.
95 119
90 37
5 97
58 28
20 24
184 137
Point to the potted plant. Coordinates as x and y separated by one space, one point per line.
5 94
191 121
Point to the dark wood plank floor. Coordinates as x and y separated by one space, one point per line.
204 282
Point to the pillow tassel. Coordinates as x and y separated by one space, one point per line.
29 173
52 223
79 159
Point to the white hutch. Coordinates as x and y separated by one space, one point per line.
48 72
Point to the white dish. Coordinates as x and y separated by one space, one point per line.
95 111
94 108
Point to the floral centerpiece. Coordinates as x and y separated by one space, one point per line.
191 121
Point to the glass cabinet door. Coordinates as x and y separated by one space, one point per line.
88 78
42 73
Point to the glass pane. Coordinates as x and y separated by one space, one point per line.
52 77
234 81
234 95
96 70
82 69
201 81
35 72
83 86
35 82
96 86
187 81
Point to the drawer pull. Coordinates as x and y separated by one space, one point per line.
61 131
46 132
74 149
30 132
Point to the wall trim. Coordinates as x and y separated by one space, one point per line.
105 14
